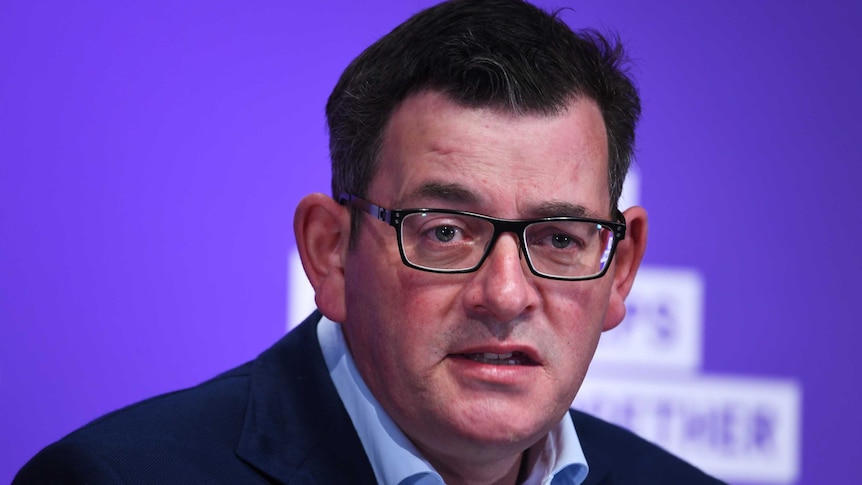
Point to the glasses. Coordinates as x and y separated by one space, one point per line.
453 241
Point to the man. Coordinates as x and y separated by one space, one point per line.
464 271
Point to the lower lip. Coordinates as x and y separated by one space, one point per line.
492 374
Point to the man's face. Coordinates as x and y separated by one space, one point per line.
420 339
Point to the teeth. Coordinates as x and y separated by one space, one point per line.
496 359
490 356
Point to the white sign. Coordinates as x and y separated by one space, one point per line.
663 327
738 429
300 294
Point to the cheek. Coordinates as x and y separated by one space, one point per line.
424 296
577 316
406 308
577 299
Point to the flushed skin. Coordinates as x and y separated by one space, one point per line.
278 420
472 420
489 106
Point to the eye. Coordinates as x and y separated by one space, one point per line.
445 233
561 241
443 229
561 237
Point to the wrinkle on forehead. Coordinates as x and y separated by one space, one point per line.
483 160
461 195
445 191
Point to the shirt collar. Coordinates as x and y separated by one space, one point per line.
558 459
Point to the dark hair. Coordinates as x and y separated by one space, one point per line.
505 54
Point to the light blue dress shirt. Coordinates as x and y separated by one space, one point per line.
556 460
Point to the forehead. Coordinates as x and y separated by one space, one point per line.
492 161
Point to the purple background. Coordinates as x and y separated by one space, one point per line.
151 155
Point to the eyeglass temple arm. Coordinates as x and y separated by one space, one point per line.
621 230
384 215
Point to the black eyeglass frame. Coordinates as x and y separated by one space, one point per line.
394 217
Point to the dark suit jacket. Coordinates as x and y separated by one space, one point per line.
278 419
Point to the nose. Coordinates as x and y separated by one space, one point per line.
502 288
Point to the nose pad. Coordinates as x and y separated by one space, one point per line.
502 287
518 243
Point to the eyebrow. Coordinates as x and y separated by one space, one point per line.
560 208
457 193
447 192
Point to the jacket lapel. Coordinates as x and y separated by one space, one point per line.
592 443
296 429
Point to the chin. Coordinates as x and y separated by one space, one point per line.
493 423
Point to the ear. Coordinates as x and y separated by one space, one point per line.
627 259
322 230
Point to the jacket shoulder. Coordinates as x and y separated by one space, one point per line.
180 437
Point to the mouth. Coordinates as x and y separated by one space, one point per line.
509 358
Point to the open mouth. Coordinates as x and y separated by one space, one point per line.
511 358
